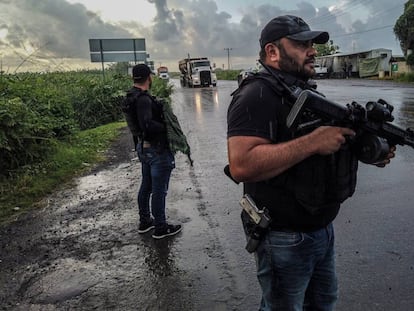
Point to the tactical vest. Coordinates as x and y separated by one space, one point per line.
317 185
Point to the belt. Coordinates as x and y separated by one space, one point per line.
275 227
146 144
281 229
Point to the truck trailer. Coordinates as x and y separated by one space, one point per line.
196 72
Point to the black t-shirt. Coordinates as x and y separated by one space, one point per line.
252 112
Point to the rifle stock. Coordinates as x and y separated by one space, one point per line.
324 108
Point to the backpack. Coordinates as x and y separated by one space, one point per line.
127 105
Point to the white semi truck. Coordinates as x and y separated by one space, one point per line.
163 73
196 72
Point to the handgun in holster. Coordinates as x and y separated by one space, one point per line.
255 222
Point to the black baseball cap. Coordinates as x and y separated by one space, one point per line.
291 27
141 71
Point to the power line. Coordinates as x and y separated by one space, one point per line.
387 10
363 31
375 15
331 16
342 10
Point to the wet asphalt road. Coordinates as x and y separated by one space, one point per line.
375 228
82 251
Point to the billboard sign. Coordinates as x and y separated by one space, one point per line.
117 50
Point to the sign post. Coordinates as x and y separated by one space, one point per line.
117 50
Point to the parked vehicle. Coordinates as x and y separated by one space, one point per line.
196 72
163 73
320 71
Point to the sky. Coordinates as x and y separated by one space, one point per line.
53 35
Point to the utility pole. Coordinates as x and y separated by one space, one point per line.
228 57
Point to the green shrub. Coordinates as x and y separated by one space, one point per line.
36 109
43 94
93 101
24 135
410 59
161 88
406 77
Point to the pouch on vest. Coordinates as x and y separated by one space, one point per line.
321 181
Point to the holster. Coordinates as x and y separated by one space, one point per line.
254 233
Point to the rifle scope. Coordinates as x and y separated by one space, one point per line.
380 111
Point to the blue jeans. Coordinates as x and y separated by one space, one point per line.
156 170
296 270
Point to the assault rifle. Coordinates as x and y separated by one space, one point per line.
374 132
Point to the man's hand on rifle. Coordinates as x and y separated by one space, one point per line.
390 155
328 139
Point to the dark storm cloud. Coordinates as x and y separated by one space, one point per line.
198 28
57 28
193 27
54 27
166 21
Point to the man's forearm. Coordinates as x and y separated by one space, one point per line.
264 161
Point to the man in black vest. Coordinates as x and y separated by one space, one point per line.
157 160
300 179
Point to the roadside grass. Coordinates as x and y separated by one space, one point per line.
405 77
28 187
227 74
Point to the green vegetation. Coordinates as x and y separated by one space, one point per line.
328 48
51 125
68 158
405 77
410 60
37 109
227 74
404 28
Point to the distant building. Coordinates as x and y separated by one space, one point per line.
357 64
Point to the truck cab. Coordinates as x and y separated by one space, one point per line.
196 72
163 73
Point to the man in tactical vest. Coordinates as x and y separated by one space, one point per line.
157 160
299 179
